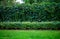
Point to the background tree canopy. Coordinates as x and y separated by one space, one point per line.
7 2
39 1
35 10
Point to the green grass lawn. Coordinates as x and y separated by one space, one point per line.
29 34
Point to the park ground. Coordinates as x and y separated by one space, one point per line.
29 34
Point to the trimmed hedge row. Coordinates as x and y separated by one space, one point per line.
30 25
44 11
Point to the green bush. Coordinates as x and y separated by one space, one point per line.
39 1
44 11
31 25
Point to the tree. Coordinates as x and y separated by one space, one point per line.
37 1
57 1
7 2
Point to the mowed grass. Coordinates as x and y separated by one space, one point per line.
29 34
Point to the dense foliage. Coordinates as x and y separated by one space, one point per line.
44 11
39 1
14 15
7 2
30 25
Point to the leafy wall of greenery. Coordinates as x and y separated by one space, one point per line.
30 25
44 11
39 1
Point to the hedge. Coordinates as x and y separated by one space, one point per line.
39 1
44 11
30 25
